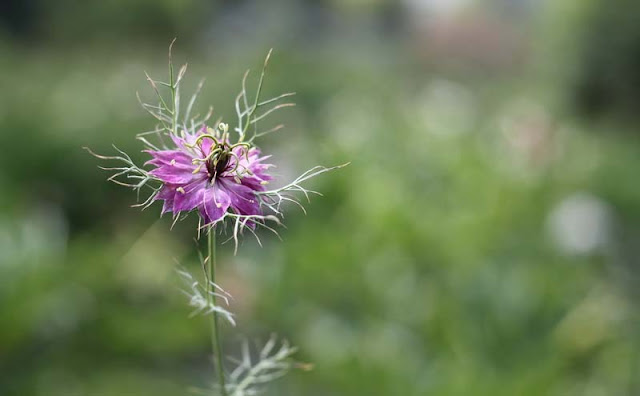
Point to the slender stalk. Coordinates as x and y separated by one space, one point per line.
215 333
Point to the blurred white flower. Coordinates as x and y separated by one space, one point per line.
580 224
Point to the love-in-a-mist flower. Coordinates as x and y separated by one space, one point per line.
218 171
222 175
208 173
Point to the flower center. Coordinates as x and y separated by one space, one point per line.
218 164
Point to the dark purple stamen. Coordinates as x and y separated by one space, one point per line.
218 164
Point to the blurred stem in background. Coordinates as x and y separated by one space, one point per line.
215 333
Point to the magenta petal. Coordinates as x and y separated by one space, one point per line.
173 176
167 156
178 141
243 199
167 206
166 193
253 172
215 202
189 196
205 145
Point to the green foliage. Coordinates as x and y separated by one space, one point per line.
439 262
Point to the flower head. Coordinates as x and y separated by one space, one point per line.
203 169
206 172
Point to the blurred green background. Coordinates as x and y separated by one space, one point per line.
483 241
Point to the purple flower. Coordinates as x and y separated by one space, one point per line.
208 173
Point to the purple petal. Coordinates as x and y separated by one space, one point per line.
243 199
165 157
190 195
215 203
205 145
166 193
175 176
250 167
172 166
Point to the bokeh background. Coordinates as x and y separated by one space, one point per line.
483 241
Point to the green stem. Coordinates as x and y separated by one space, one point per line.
215 333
